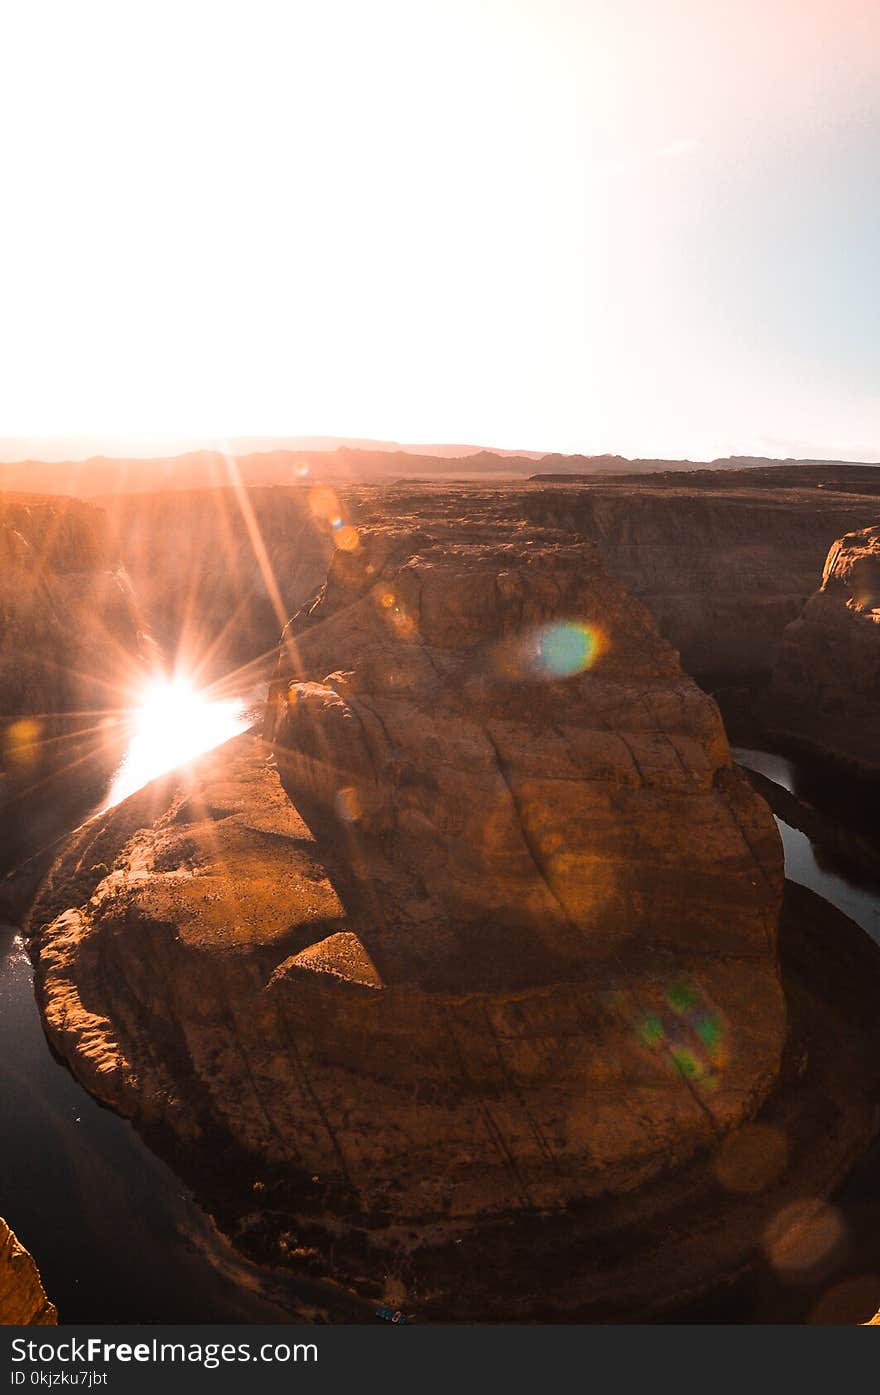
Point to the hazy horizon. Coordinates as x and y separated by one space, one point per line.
57 450
639 228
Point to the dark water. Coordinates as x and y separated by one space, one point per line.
858 896
117 1237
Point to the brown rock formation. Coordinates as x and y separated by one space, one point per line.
825 691
516 828
69 640
530 960
723 560
505 962
23 1301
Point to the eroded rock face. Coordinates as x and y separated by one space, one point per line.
23 1301
723 563
509 946
826 678
69 641
534 808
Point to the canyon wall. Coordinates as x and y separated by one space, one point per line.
23 1301
825 690
723 570
218 571
723 564
483 948
495 938
69 644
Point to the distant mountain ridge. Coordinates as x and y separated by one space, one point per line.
60 450
347 463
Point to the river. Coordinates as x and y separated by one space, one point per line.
858 896
117 1236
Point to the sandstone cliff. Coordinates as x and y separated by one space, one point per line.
510 946
528 797
23 1301
724 560
825 690
69 640
723 564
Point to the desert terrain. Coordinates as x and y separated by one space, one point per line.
466 977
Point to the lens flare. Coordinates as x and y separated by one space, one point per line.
690 1032
565 649
803 1237
21 741
346 537
171 725
348 804
324 504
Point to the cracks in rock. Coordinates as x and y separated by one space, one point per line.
527 838
569 921
308 1089
495 1133
638 769
379 721
537 1132
698 1100
235 1039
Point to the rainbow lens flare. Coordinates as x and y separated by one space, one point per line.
566 649
688 1030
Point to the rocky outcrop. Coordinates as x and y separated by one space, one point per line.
69 645
23 1301
529 960
723 560
531 798
722 570
825 691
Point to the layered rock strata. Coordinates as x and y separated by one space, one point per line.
532 804
509 946
825 690
723 565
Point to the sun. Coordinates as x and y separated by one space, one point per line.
171 724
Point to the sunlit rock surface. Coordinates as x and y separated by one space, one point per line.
506 943
465 1012
531 805
23 1301
825 689
724 560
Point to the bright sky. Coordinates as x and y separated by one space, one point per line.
644 226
